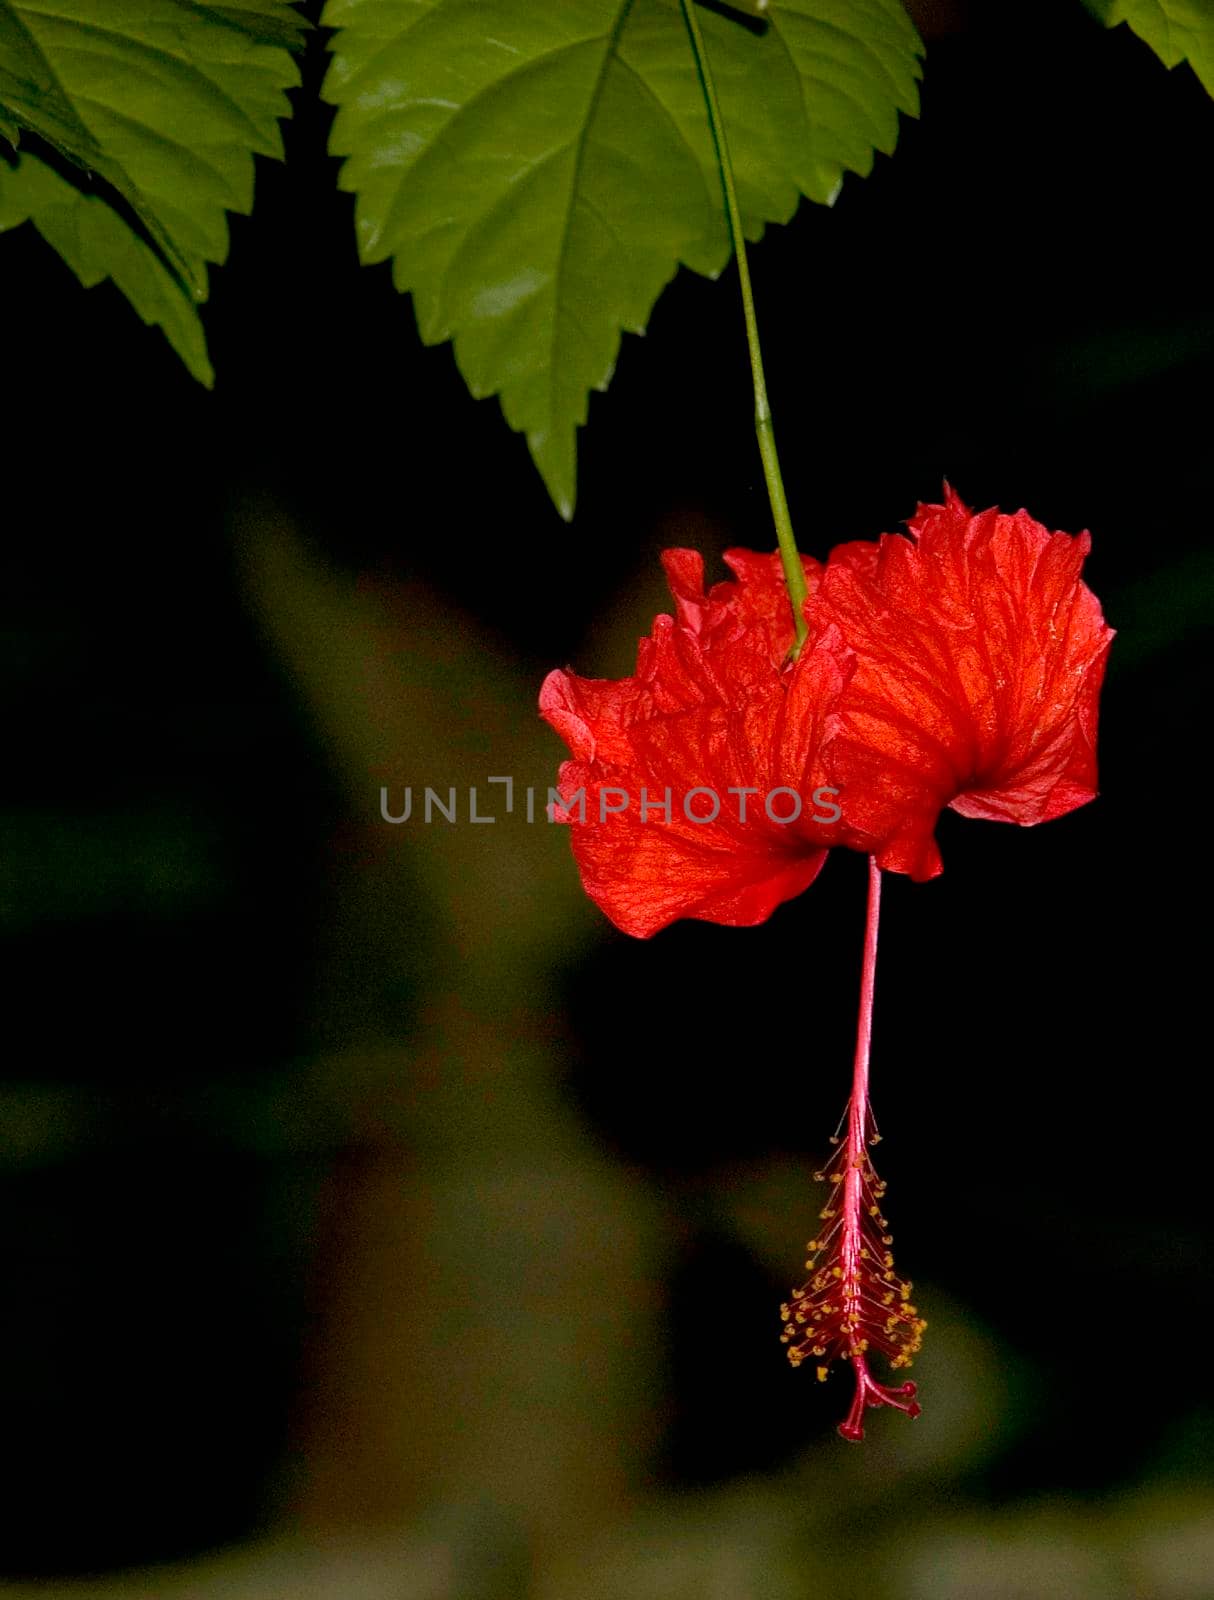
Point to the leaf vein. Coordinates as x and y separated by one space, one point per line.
193 152
158 53
436 146
670 117
610 54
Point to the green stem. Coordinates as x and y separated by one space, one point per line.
794 572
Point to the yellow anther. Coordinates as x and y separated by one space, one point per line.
821 1374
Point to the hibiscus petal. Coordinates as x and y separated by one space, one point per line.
979 659
713 707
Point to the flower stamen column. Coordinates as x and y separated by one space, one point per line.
854 1301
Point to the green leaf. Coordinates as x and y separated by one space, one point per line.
9 130
97 244
538 171
168 100
1177 30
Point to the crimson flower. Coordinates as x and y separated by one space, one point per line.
685 777
960 666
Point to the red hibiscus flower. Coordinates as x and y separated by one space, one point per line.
690 791
978 660
958 667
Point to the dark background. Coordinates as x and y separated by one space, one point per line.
1019 300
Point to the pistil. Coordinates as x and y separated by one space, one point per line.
854 1300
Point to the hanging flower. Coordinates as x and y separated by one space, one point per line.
958 667
978 659
690 792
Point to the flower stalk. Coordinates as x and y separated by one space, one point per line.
854 1300
794 573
